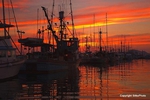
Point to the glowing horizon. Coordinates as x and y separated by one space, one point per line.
129 18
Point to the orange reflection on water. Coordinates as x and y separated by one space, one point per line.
130 78
90 82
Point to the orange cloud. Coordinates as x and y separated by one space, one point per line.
135 41
88 17
120 13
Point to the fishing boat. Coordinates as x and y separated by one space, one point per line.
96 58
52 57
9 62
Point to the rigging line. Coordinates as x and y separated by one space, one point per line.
9 11
37 21
52 13
52 17
63 6
15 19
8 14
12 41
4 22
73 28
68 29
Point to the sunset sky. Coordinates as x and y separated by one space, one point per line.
128 20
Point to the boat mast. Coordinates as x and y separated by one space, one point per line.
19 34
4 23
94 33
52 13
100 40
3 5
106 34
73 29
38 23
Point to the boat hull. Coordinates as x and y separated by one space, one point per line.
49 66
10 70
93 61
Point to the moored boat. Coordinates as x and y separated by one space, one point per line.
50 57
9 62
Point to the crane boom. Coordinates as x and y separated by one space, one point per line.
50 25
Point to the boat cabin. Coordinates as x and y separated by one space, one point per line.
7 52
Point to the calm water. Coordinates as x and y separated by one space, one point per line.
127 81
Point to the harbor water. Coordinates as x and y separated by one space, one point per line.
124 81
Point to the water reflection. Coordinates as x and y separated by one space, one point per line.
56 86
9 89
83 83
93 82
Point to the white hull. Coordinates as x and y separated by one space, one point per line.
10 70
